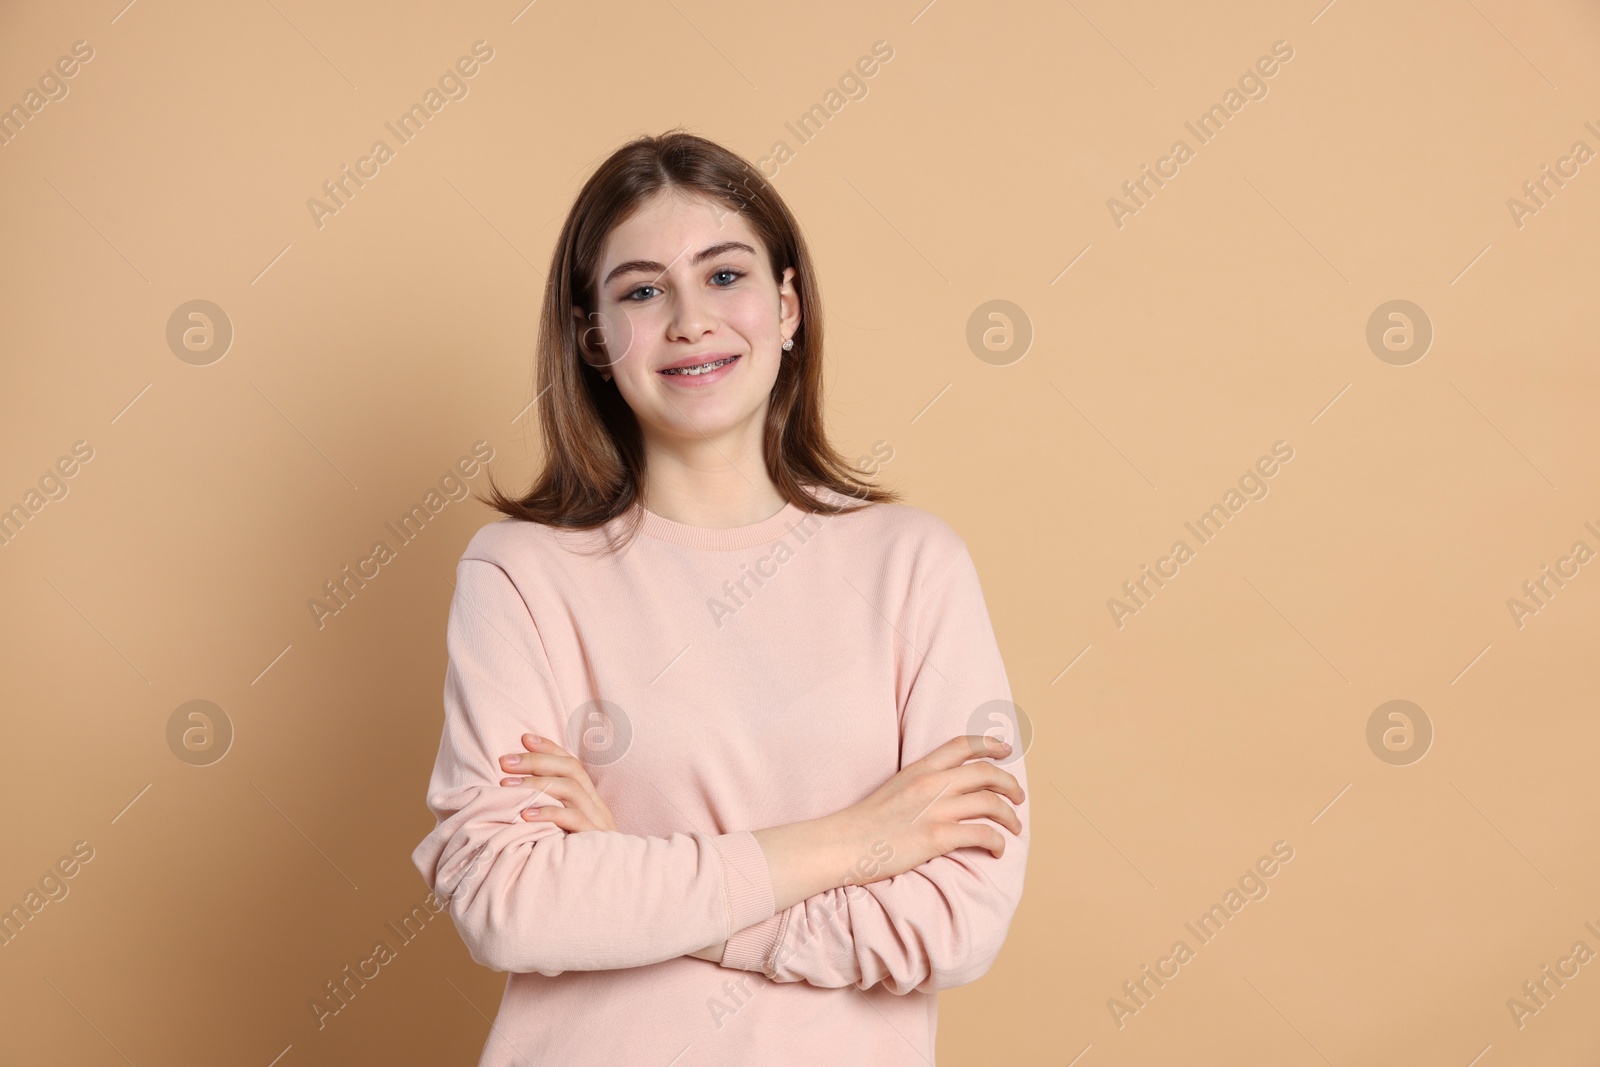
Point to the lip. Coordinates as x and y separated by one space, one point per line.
691 361
698 381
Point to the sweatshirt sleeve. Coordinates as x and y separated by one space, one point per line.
528 896
940 924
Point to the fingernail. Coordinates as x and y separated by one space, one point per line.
532 739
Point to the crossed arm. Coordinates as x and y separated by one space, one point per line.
913 887
914 818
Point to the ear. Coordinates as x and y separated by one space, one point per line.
591 341
788 303
586 336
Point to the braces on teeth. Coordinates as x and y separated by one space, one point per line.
702 368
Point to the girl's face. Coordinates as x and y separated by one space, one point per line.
685 281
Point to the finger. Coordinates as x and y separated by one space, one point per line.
1005 783
556 768
976 776
578 795
549 764
535 743
979 835
555 816
980 805
541 784
568 819
983 805
988 746
964 747
588 806
562 789
544 791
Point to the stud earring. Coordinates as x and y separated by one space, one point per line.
788 344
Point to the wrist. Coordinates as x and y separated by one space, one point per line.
807 858
711 953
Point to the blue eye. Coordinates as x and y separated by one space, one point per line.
734 275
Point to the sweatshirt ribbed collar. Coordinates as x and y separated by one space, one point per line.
725 538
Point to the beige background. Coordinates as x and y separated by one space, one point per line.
1229 313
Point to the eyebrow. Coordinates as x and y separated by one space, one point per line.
701 256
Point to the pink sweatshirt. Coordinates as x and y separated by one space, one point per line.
746 678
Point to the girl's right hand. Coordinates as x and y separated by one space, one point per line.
922 811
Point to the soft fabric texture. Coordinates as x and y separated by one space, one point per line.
715 682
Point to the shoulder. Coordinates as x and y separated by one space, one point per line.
500 541
516 545
902 529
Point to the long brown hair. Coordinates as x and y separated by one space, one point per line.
593 450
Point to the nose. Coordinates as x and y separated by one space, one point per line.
692 317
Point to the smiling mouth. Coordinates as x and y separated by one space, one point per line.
701 368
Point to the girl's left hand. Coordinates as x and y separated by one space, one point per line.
557 773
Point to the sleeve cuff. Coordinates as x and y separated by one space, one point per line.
749 949
747 881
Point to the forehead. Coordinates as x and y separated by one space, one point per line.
673 222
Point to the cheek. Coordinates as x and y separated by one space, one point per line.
754 315
625 330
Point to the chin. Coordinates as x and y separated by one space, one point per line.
720 416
